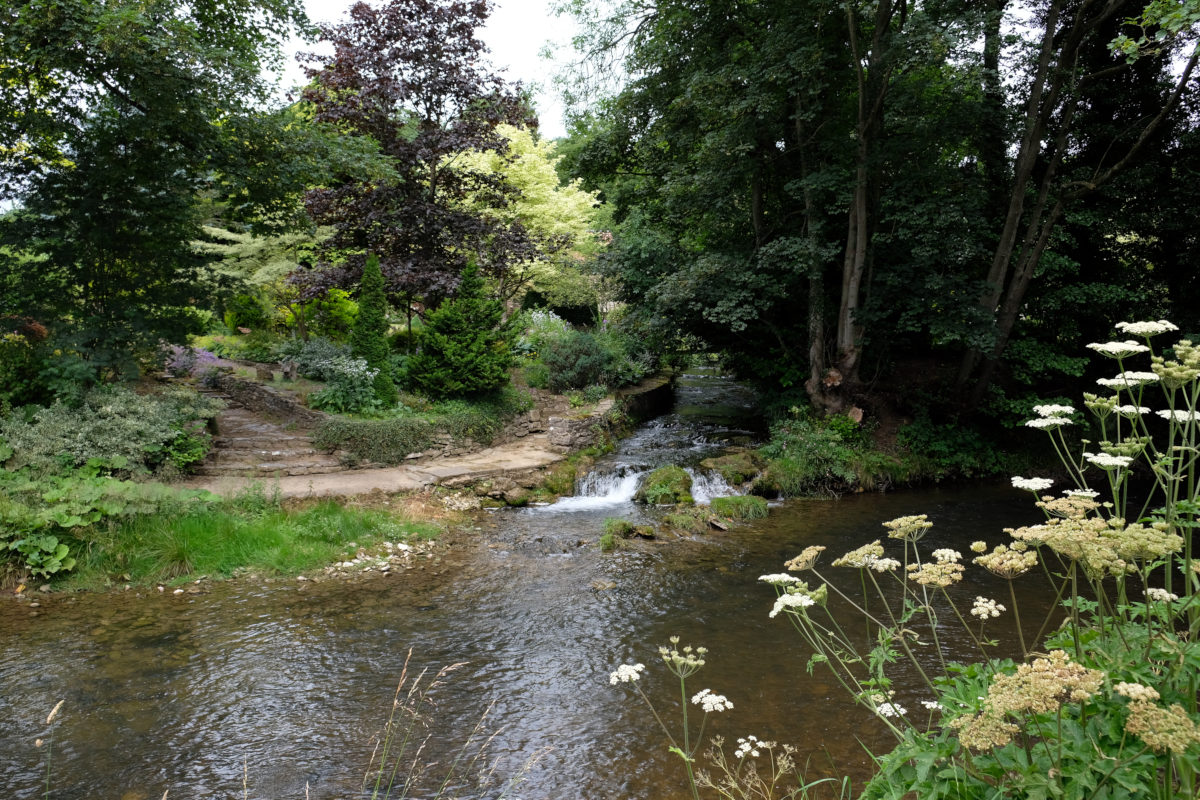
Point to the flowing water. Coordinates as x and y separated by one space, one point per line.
280 686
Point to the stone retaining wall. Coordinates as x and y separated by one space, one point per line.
267 400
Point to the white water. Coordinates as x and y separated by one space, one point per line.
601 490
707 485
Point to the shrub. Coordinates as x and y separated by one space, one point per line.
388 441
124 432
349 387
465 344
369 338
541 328
804 457
317 358
575 361
666 485
740 507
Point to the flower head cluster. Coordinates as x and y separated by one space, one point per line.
939 574
884 706
861 556
1089 493
1118 349
885 565
1100 406
931 705
1136 691
979 546
1053 410
799 596
807 558
748 746
711 702
1040 687
1184 369
911 528
945 555
682 662
1051 415
1128 380
1008 562
1178 415
1130 411
626 673
779 579
1163 729
1107 461
985 608
1032 484
1049 422
1102 547
1161 595
1146 329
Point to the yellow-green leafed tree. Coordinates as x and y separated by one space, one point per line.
563 215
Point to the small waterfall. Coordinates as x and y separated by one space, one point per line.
602 489
707 485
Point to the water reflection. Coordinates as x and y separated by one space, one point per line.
292 679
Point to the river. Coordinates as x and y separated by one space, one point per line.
274 690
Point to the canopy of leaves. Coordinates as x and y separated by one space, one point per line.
408 75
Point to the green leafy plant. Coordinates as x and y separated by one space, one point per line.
143 432
369 338
1105 706
740 507
466 346
670 485
349 387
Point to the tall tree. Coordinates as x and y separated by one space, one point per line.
409 76
115 115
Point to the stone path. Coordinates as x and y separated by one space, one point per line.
249 445
522 456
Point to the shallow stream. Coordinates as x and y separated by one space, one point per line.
280 686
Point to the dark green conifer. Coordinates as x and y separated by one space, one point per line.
368 340
465 346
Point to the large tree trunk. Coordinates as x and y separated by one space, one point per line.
839 380
1053 100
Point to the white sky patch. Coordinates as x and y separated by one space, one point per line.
517 33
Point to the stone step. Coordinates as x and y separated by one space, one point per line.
259 442
265 470
306 456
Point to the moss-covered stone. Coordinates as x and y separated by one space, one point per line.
740 507
735 468
614 526
666 486
688 520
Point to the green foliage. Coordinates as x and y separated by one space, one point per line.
251 532
805 457
349 388
669 485
245 311
691 520
369 339
735 468
608 542
466 346
389 440
113 426
576 360
317 358
740 507
951 449
44 518
614 526
21 366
